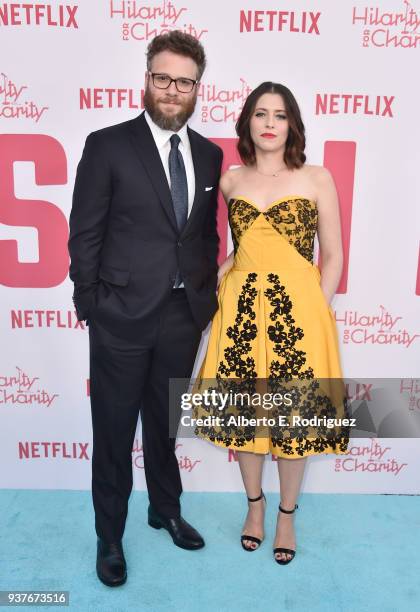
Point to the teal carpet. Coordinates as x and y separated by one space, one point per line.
355 553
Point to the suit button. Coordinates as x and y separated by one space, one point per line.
179 244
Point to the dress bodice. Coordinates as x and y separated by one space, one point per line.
256 233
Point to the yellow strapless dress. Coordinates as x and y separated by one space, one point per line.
274 324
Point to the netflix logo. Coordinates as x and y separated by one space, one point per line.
300 22
61 319
354 104
110 97
53 450
15 14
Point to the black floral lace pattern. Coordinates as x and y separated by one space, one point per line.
236 373
297 220
284 334
242 333
241 216
310 399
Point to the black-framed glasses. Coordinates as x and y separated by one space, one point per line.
163 81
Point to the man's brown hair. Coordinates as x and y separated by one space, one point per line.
180 43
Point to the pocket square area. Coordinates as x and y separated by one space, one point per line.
208 188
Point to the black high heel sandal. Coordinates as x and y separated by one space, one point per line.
251 538
288 551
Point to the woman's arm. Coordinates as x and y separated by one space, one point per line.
225 267
329 233
226 186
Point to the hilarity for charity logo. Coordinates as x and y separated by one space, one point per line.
141 21
221 105
369 458
15 103
379 328
385 28
22 389
185 462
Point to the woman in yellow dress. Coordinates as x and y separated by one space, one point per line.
274 324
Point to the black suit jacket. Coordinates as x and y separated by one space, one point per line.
124 243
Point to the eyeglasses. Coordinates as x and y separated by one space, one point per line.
163 81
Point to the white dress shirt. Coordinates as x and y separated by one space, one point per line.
162 140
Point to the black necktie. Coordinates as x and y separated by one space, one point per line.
179 189
179 185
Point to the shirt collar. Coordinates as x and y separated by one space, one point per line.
161 137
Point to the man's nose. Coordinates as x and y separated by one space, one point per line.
172 88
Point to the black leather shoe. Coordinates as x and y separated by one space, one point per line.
110 563
182 533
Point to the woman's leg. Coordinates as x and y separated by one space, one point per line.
290 474
251 466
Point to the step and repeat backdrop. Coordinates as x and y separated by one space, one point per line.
67 69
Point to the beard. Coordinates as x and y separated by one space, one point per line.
168 122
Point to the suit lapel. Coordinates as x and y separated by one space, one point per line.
144 144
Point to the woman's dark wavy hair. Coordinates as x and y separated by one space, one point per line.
294 155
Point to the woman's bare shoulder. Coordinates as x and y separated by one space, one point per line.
317 173
229 179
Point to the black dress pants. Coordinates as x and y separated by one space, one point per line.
125 377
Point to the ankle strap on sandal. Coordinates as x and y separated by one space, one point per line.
288 511
254 499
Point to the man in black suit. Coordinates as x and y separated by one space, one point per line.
143 246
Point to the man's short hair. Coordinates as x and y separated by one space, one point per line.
180 43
